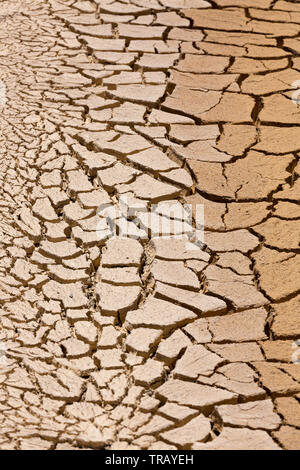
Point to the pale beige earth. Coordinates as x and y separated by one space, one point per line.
139 343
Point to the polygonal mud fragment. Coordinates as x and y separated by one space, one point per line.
196 360
170 348
142 340
175 273
149 373
192 394
255 415
159 314
196 301
197 429
240 291
239 439
114 299
241 326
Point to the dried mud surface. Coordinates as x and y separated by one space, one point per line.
134 343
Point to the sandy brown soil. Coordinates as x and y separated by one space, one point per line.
138 342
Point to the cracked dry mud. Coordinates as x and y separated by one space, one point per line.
136 343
